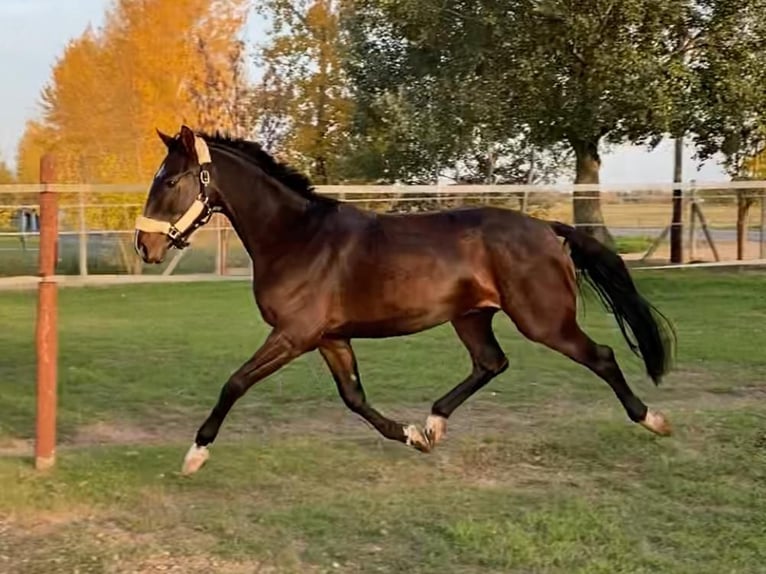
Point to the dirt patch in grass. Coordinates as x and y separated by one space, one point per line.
115 433
482 414
169 563
78 544
16 447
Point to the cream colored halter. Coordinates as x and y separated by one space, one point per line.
198 212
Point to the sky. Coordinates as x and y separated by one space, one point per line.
35 33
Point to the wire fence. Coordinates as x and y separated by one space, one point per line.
721 222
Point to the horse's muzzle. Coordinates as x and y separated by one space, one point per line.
150 247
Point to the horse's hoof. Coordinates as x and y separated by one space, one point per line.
416 439
657 423
194 459
436 429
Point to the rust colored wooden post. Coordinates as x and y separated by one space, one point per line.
47 331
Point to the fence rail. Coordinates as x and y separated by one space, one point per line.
96 221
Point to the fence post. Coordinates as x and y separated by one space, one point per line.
677 229
47 331
762 248
692 224
83 235
221 242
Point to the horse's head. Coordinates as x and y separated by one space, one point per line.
178 201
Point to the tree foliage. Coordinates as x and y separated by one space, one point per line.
729 63
112 87
303 102
6 177
36 140
580 73
424 100
6 174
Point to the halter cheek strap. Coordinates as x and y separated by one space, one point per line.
195 216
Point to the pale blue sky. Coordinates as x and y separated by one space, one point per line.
35 32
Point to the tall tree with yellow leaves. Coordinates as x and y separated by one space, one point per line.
112 87
303 99
219 92
6 177
34 142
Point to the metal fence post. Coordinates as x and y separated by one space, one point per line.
83 235
692 224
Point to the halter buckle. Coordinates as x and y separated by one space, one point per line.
204 177
174 235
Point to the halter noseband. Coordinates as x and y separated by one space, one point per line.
198 213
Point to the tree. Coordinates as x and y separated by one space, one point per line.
221 95
6 177
303 102
421 104
512 162
36 140
580 73
6 174
112 87
729 95
398 140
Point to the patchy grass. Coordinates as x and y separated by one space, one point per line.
633 243
541 471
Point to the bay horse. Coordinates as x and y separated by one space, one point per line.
326 272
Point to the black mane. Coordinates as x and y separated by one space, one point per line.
285 174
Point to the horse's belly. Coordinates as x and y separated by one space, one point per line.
391 326
408 309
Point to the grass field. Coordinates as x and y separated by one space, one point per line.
540 472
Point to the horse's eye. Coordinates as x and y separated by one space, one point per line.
171 182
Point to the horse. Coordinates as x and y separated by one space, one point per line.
326 272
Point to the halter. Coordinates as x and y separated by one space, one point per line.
198 213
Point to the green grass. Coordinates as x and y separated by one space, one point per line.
633 243
104 256
541 472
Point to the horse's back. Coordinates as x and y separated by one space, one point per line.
403 273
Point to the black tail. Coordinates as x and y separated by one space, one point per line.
649 334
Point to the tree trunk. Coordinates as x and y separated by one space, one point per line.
320 170
743 207
587 204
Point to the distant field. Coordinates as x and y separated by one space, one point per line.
541 472
653 215
104 256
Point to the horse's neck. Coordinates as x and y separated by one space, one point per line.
264 213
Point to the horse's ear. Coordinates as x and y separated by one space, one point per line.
166 139
187 139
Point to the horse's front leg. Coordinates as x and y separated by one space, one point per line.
276 351
340 358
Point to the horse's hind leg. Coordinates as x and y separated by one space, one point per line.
340 358
551 320
475 331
